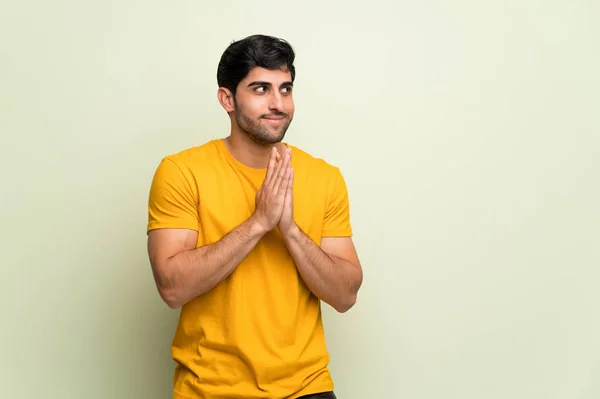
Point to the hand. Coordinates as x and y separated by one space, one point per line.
287 222
270 198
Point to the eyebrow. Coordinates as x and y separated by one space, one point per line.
260 83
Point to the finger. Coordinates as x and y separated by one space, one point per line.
278 159
289 166
281 168
290 184
271 165
285 182
287 162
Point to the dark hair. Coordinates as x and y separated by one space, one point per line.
254 51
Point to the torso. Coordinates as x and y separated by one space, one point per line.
259 332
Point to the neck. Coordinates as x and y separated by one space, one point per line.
248 151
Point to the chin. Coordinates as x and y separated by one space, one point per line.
269 138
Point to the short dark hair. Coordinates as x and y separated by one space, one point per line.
241 56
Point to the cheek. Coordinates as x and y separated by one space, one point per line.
251 109
289 106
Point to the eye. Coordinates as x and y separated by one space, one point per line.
260 89
287 90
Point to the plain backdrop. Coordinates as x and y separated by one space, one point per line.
469 136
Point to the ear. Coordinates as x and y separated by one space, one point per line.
226 99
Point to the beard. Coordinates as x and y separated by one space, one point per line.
262 134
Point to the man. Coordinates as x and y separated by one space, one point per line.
247 234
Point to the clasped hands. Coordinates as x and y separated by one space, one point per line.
274 199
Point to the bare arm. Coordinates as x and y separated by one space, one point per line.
183 272
331 271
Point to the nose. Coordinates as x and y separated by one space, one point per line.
276 102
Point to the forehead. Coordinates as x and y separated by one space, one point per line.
275 77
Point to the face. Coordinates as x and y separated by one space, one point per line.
264 107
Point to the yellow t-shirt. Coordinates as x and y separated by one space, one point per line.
257 334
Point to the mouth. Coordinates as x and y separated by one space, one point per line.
274 120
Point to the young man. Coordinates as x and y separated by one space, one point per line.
247 234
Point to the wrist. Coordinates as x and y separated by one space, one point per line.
256 228
290 233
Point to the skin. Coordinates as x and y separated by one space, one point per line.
260 113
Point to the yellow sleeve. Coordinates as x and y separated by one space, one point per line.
337 214
173 201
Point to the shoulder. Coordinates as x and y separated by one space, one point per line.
192 164
193 157
315 166
323 177
185 168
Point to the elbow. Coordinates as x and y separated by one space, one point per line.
349 299
167 291
347 304
174 304
171 298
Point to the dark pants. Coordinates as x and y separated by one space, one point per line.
323 395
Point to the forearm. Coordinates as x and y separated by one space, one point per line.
192 273
332 279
